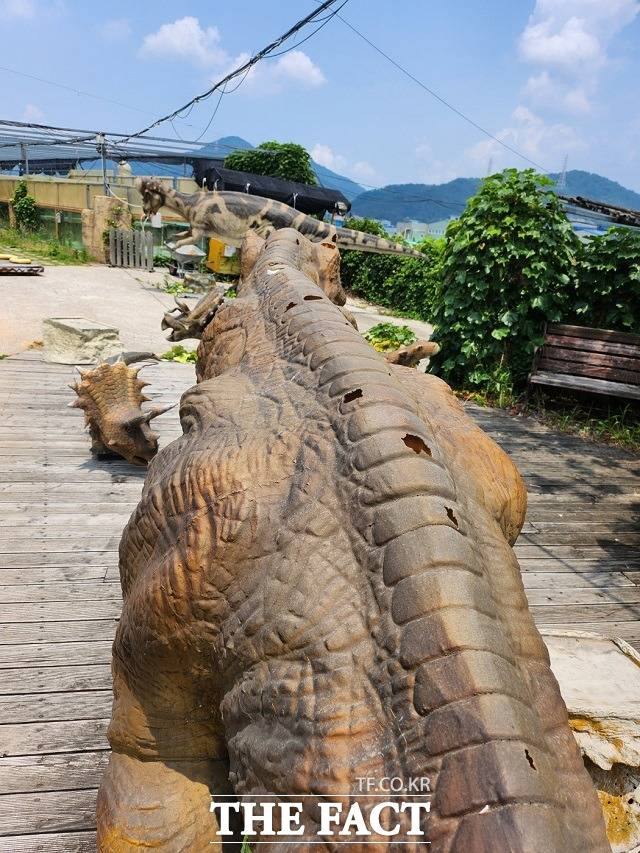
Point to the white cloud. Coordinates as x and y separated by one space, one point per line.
363 171
431 169
544 143
545 90
117 29
185 39
326 156
17 9
573 34
270 78
33 113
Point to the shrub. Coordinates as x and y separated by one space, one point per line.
279 159
180 354
608 294
509 266
386 337
407 285
24 207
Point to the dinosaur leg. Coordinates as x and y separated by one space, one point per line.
168 752
192 237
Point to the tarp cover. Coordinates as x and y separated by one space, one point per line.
303 197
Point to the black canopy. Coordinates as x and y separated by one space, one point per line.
303 197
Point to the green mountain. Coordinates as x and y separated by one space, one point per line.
432 202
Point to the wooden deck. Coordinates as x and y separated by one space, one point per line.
62 515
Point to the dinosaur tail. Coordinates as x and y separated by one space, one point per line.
361 242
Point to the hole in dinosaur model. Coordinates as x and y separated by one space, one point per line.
529 759
451 515
311 296
352 395
415 443
290 306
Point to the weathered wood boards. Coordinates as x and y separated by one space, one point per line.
63 514
585 359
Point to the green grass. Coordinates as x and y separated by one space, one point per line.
616 422
387 336
180 354
38 248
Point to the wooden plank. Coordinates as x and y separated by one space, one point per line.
61 611
597 386
55 707
594 334
75 631
55 679
54 654
549 614
89 591
50 842
569 596
54 772
30 575
61 736
552 581
549 363
587 356
49 811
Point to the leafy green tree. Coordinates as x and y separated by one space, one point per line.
278 159
509 266
24 207
409 285
609 287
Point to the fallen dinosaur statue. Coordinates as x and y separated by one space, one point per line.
228 216
411 354
185 322
111 396
319 587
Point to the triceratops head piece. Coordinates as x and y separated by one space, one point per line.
111 396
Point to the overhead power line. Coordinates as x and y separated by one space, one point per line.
246 67
438 97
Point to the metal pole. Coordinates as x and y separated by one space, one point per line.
100 144
25 156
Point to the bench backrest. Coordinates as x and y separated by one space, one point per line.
595 353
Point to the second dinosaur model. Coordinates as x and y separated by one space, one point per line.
228 216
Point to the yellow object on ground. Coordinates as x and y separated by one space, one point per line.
222 258
16 260
4 257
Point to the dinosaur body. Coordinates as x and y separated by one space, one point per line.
228 216
319 586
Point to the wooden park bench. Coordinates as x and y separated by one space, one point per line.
594 360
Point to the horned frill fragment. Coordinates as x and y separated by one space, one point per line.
185 322
111 397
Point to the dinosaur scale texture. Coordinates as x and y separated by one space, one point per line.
111 396
228 216
318 586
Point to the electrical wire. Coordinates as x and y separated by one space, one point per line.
266 51
438 97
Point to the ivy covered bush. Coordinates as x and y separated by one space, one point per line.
509 266
24 208
608 294
408 285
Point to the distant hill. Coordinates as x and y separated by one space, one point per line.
432 202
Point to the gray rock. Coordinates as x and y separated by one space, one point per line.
74 340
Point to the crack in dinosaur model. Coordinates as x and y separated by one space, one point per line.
228 216
319 585
111 396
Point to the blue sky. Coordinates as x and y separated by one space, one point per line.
548 77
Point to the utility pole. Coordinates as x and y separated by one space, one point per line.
562 180
100 145
25 156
